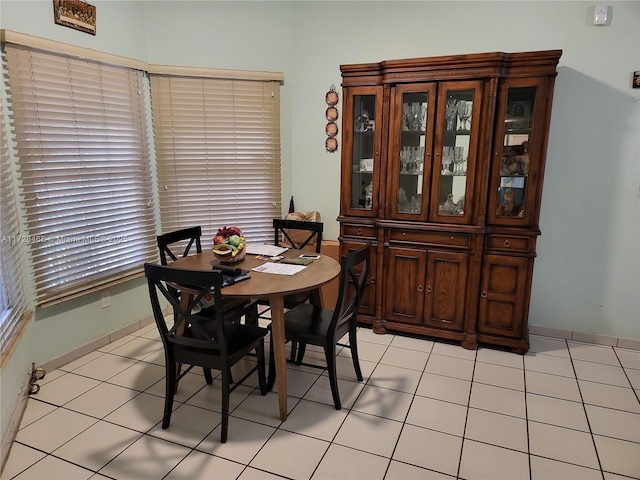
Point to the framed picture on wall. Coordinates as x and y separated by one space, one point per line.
75 14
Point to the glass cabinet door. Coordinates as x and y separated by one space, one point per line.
410 154
514 165
363 108
459 106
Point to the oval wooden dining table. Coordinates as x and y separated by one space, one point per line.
273 287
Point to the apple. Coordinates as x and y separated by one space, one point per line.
218 239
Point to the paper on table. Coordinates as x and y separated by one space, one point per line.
279 268
266 250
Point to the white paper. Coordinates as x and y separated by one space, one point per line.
266 250
279 268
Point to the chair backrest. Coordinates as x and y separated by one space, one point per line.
192 234
164 279
354 268
311 232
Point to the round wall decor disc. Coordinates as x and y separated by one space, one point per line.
331 144
331 97
332 114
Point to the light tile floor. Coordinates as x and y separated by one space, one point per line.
426 410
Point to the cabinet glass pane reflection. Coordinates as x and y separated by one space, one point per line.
412 145
514 161
362 157
455 152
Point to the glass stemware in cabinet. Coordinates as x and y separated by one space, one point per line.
447 160
412 160
451 114
458 161
464 112
414 115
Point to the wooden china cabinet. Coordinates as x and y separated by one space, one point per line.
442 171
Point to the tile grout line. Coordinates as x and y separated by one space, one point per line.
584 408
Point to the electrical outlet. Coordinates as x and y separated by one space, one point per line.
106 299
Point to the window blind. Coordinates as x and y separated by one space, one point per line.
84 167
12 304
218 151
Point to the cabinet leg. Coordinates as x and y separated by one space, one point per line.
378 327
470 342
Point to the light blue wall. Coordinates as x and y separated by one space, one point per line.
587 274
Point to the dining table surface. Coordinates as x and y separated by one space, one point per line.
272 287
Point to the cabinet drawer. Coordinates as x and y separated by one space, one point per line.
360 231
434 238
509 243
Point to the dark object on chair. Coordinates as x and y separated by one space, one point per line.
211 341
192 235
310 324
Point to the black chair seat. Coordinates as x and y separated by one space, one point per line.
239 337
308 321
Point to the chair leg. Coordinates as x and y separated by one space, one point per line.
224 428
170 388
301 351
353 345
330 355
207 375
271 380
251 318
262 381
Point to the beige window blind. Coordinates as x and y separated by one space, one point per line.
12 304
218 151
84 168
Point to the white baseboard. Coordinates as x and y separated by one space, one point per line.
628 343
14 423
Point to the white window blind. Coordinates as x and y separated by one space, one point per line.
84 170
218 151
12 304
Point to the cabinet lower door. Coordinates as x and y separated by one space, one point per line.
504 295
426 288
404 285
446 290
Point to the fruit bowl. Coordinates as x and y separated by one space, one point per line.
229 245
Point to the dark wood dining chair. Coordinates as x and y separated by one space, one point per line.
169 242
315 325
211 341
179 244
297 233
